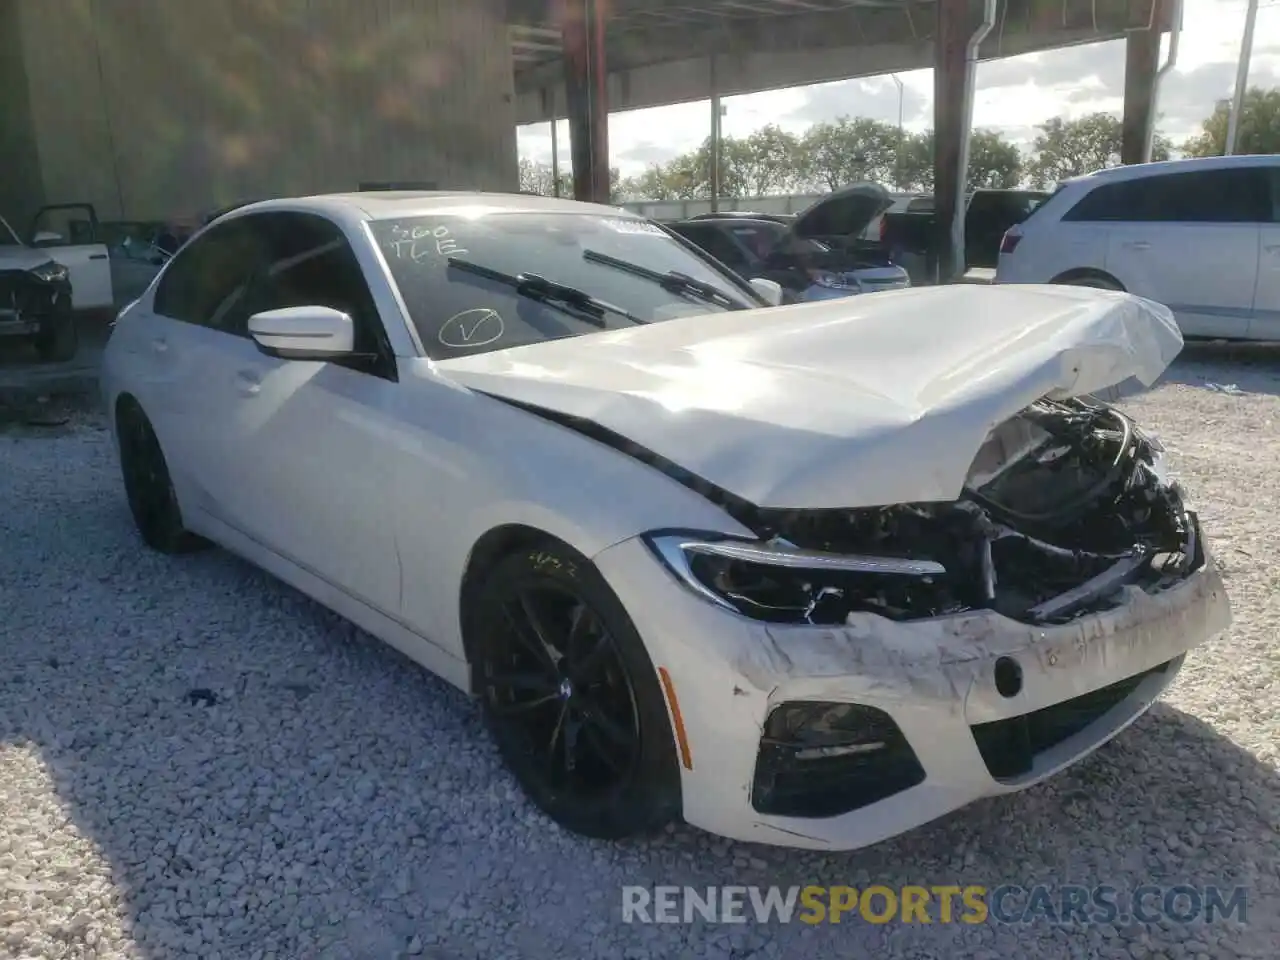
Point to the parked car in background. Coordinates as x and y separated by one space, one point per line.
109 263
1200 235
70 234
819 254
812 575
35 298
911 227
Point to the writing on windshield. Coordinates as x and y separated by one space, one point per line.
476 281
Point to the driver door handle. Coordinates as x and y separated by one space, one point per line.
159 345
248 382
1138 245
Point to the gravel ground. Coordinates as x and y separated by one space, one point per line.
336 801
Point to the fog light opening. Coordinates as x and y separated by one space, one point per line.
1008 677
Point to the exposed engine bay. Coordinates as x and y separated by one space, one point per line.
1064 507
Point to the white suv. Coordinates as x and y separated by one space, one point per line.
1201 236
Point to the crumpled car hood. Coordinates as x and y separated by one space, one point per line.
846 403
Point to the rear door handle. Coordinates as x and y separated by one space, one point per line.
159 345
248 382
1272 248
97 256
1138 245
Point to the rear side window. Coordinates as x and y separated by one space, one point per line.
1234 195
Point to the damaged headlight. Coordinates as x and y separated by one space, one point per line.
834 281
51 272
779 582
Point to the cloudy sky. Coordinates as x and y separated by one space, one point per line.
1013 94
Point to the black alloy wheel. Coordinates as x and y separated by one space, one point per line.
148 486
571 697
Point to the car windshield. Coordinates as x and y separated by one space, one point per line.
518 278
7 237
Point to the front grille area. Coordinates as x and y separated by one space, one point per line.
821 759
25 295
1009 747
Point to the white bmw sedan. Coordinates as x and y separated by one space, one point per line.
807 575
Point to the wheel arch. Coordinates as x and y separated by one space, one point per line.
1087 273
491 547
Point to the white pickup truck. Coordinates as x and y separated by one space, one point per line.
70 263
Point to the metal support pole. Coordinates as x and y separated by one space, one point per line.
714 153
1242 77
555 147
587 102
897 156
1175 34
958 258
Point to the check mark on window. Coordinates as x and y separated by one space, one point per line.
471 325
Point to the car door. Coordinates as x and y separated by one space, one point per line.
1190 241
185 334
1265 324
302 461
69 232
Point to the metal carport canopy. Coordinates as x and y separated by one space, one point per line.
660 52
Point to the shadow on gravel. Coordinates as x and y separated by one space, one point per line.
1228 368
328 799
265 780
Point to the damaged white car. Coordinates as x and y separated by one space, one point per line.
809 575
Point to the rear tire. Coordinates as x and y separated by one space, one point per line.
570 695
58 340
1095 280
147 484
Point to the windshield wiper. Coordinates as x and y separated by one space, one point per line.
673 282
580 304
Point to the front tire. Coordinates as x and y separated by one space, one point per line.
571 697
149 488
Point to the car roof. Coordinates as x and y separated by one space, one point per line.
729 221
393 204
1136 171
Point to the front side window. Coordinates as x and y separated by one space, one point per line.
632 266
1230 195
207 280
311 264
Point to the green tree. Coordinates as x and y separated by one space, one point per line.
914 171
768 161
1259 129
1069 148
834 155
536 177
994 162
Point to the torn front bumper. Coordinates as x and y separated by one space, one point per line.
936 680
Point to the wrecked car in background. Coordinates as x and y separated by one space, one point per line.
35 299
818 254
808 575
